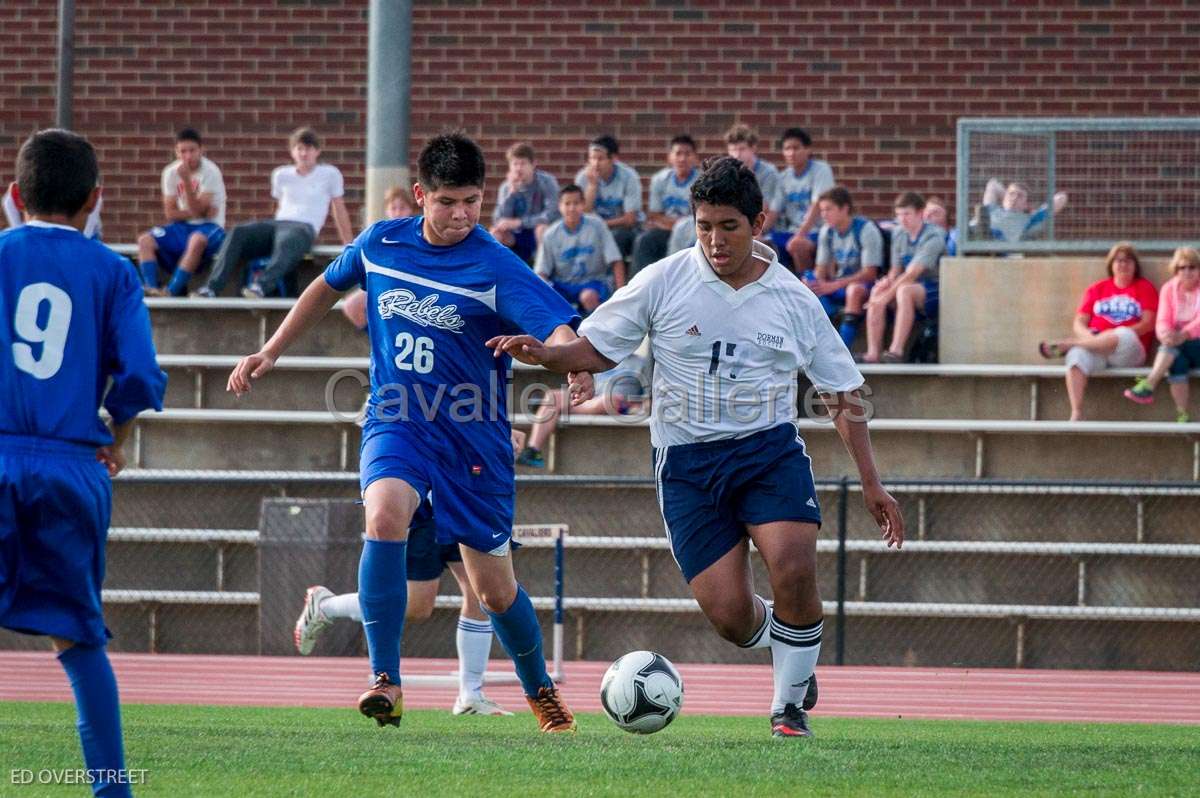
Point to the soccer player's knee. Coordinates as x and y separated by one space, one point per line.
419 608
792 573
497 598
197 241
589 299
387 522
855 291
147 240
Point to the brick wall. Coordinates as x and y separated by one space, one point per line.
879 88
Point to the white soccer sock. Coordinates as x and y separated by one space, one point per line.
474 642
342 606
761 637
794 652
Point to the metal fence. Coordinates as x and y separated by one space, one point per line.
1034 574
1125 179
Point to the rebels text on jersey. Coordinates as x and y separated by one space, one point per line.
429 311
725 361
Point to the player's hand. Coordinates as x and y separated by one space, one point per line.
886 512
248 368
113 458
580 387
518 438
524 348
184 173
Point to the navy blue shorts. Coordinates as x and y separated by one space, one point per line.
708 492
172 241
525 243
55 505
426 558
571 291
475 517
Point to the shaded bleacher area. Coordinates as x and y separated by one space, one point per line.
1033 541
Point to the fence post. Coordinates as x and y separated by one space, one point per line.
840 645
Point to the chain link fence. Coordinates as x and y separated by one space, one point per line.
1132 179
1029 574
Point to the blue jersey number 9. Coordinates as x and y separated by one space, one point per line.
52 335
414 354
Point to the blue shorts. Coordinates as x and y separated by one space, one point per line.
426 558
571 291
834 302
172 241
55 505
931 299
525 243
710 491
474 516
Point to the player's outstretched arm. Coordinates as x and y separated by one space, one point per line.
576 355
309 309
848 411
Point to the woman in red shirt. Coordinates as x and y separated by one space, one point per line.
1114 325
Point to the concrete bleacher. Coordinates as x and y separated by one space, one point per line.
995 574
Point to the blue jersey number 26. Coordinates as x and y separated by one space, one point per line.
414 354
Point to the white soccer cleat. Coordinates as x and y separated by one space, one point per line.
312 621
478 705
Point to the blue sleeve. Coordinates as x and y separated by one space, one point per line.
347 270
524 301
137 382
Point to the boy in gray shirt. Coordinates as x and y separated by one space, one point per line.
795 203
849 255
670 200
741 141
1007 214
527 202
911 284
578 255
612 191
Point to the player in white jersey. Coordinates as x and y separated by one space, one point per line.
729 327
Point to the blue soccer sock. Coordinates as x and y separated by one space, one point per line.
519 633
149 270
98 707
849 328
383 597
179 282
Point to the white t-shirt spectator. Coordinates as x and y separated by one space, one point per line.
306 198
206 180
13 215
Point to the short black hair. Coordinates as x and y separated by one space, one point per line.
56 172
839 196
726 181
798 133
452 160
189 134
608 143
685 140
570 188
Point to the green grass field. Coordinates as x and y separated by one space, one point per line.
219 751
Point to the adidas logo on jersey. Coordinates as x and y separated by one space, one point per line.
426 311
693 330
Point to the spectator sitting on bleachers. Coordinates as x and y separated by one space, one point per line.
1114 325
622 390
911 286
526 203
794 232
741 142
398 203
579 256
307 193
193 206
612 190
1004 214
14 212
1178 330
849 256
670 201
936 213
683 234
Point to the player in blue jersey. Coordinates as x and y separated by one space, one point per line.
74 333
438 286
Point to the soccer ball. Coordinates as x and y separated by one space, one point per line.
641 692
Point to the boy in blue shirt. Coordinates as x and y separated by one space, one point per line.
75 334
438 286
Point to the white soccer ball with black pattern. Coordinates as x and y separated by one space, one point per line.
641 692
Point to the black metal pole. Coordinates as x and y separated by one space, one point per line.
840 644
66 64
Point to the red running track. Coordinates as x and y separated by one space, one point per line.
939 693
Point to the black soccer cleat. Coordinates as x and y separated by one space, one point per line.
792 722
810 696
